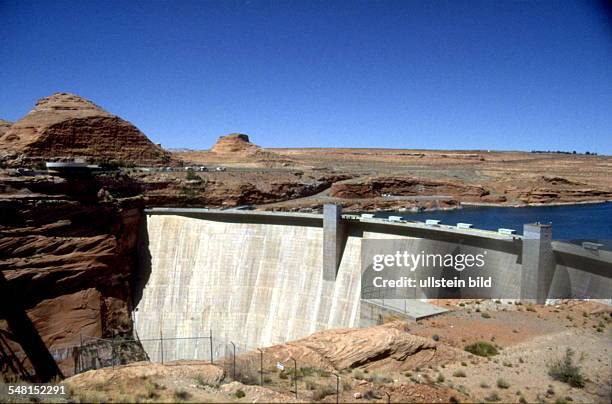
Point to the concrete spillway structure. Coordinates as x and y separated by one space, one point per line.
258 278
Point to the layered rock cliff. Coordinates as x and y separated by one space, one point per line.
67 253
402 186
67 126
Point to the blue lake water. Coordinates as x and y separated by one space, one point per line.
591 222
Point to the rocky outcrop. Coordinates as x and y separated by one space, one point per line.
236 147
373 187
225 190
68 249
547 190
4 126
235 143
65 126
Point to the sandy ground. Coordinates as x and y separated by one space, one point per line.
529 338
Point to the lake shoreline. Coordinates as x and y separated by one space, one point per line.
531 205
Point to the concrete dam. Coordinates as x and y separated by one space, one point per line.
261 278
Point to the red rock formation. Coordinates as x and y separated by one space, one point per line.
66 260
67 126
4 126
235 143
403 186
548 190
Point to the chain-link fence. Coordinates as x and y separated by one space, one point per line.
248 365
96 353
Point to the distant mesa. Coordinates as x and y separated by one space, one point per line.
235 143
66 126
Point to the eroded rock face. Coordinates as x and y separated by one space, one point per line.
66 126
66 260
349 348
554 189
4 126
402 186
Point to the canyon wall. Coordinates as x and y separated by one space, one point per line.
67 254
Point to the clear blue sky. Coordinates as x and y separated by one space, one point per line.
410 74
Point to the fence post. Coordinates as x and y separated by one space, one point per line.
211 347
388 397
337 388
113 353
161 343
260 366
81 353
295 376
233 361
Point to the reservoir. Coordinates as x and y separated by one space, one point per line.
585 222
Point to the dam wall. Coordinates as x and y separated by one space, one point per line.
258 278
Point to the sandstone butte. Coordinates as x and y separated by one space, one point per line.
65 126
235 143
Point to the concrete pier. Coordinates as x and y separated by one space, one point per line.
334 236
538 264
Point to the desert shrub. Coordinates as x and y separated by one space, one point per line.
485 315
530 307
440 378
492 397
345 386
151 389
283 375
481 348
203 382
323 391
307 371
502 384
181 395
435 337
378 378
566 371
459 373
239 393
247 376
484 385
507 364
190 175
358 374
